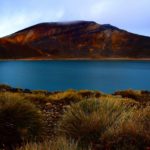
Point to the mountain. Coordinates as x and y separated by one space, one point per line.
80 39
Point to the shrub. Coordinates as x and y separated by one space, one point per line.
127 136
40 92
141 96
129 94
133 134
87 120
68 96
58 144
39 98
5 87
141 118
89 94
19 120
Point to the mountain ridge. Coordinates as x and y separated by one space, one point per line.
78 39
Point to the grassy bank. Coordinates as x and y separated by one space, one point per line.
74 120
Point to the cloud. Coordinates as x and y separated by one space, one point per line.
131 15
14 19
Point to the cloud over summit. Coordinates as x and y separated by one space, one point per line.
131 15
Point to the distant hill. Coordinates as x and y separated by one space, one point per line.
80 39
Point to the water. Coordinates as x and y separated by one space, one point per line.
106 76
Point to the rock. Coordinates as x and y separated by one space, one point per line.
49 105
66 107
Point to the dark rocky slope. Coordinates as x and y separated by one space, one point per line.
81 39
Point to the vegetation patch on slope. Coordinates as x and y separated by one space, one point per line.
74 120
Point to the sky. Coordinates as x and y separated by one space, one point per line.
131 15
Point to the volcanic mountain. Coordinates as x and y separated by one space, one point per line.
80 39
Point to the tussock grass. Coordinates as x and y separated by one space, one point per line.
69 95
40 92
90 94
141 118
38 98
133 134
129 93
20 120
126 137
141 96
87 120
60 143
4 87
43 97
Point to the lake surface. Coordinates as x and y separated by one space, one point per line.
106 76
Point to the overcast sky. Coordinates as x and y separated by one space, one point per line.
131 15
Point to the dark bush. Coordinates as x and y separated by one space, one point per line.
141 96
20 121
4 87
125 137
129 94
89 94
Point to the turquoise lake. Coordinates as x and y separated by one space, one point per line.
106 76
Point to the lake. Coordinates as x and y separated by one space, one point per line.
106 76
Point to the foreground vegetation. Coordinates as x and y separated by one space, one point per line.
74 120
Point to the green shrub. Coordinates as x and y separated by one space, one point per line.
87 120
19 120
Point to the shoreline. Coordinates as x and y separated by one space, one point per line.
78 59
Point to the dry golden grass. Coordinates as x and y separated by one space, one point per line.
141 96
87 120
20 120
69 95
92 119
133 134
60 143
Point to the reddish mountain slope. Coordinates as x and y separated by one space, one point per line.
81 39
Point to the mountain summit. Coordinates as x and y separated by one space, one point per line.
79 39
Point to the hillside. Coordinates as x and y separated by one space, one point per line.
80 39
